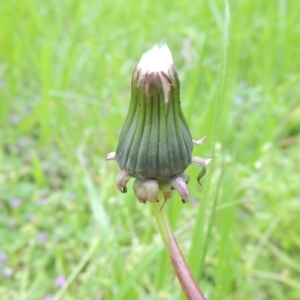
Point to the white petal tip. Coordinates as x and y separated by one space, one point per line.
156 59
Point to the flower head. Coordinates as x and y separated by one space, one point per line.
14 119
3 258
15 202
155 144
60 281
8 272
43 237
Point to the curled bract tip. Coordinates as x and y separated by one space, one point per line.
201 162
111 156
200 142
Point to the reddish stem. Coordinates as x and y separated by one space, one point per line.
183 273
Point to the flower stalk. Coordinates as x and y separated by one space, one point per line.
182 271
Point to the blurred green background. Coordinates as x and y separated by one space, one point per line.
65 72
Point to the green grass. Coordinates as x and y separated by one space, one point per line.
65 71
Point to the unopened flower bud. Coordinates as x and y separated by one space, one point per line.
155 144
155 141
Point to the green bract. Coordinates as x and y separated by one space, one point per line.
155 141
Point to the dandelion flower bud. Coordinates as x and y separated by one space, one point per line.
155 144
155 141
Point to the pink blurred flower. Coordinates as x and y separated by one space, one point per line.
15 202
60 281
8 272
41 201
14 119
43 237
3 258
